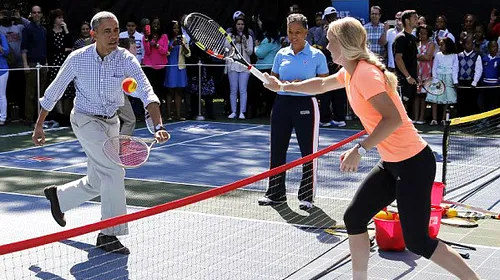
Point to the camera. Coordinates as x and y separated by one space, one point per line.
179 39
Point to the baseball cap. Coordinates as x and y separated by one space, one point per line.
329 11
238 14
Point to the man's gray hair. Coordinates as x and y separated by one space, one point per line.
300 18
96 20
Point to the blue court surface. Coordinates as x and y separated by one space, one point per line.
227 237
199 153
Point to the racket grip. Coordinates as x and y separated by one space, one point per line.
258 74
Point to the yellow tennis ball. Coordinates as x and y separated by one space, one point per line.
390 216
381 215
129 85
450 213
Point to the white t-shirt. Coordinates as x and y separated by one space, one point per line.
390 36
138 43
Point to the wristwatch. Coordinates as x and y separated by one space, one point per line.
159 127
361 150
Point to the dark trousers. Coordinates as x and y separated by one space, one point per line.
467 99
302 114
31 97
410 183
488 99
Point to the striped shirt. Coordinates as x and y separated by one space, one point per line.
98 81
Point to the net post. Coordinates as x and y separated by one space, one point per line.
446 140
200 116
38 84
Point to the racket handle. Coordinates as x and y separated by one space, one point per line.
257 74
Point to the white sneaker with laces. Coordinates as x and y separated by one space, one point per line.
242 116
232 116
305 205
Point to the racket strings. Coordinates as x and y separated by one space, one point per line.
208 34
126 151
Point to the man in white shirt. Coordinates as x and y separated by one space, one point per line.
132 32
98 71
388 38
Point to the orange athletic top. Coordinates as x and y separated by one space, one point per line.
366 82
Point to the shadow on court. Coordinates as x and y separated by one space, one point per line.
100 264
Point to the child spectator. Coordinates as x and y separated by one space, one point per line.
444 68
488 97
425 56
469 74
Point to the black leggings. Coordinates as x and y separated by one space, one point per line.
410 183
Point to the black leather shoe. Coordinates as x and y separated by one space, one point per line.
111 244
51 194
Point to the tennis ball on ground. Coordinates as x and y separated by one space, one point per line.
450 213
129 85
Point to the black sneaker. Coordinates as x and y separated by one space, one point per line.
51 194
265 201
111 244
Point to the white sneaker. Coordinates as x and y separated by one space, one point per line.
339 124
305 205
264 201
326 124
242 116
232 116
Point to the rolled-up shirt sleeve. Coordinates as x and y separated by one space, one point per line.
56 89
144 89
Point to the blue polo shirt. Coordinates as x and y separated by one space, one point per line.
308 63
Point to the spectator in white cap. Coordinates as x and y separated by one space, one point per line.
240 15
330 14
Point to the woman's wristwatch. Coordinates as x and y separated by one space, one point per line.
361 150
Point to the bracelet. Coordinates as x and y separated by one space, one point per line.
282 87
409 77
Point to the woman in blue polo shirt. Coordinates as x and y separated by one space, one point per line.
298 111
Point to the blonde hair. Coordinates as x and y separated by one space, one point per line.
351 36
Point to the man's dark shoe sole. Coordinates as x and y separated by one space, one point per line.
51 195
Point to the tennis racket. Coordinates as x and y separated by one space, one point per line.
210 37
127 151
475 210
433 86
459 222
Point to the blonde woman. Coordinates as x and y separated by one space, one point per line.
371 90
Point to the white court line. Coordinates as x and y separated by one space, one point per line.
24 133
164 182
38 147
62 142
222 216
171 145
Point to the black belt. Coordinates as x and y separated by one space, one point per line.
105 117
